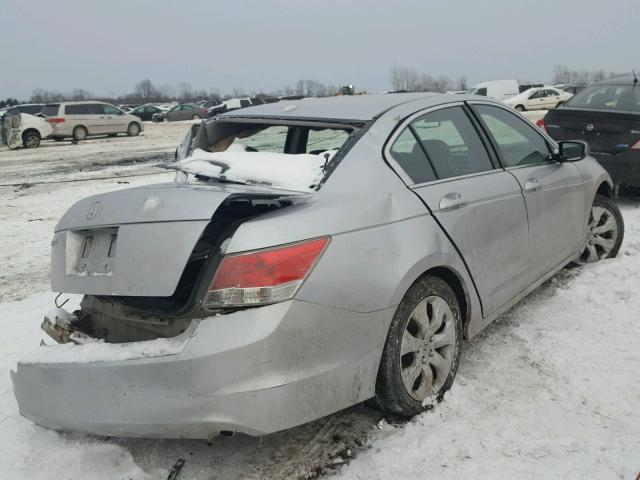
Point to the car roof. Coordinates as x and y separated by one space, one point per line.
347 107
626 80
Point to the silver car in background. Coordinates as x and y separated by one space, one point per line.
310 255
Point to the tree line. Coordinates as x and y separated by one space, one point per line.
401 78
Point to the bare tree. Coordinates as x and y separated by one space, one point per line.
403 78
146 91
185 91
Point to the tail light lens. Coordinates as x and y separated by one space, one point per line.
55 120
540 124
263 276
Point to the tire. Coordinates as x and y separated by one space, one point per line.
133 129
165 119
31 139
559 104
396 393
58 139
605 232
80 133
520 108
195 117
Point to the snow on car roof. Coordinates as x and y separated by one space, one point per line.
356 107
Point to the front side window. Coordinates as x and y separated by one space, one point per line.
451 143
110 110
519 144
95 109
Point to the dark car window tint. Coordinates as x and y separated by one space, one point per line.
518 142
607 97
95 109
30 109
76 109
110 110
406 151
244 103
481 91
452 143
51 110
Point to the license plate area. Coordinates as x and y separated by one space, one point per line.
95 251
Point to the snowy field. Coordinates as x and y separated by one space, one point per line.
550 390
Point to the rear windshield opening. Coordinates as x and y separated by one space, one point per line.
608 97
51 110
283 156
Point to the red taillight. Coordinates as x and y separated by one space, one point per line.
636 146
540 124
264 276
55 120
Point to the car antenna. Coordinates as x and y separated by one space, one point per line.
635 79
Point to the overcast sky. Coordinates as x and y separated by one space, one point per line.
106 47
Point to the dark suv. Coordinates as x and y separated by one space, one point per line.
607 116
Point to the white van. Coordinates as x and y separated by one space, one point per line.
496 89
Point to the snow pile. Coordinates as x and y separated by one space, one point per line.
277 170
101 351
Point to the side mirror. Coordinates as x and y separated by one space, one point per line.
573 150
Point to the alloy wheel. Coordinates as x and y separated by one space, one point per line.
602 234
428 348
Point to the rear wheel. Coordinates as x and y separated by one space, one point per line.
165 119
559 104
31 139
422 351
80 133
195 117
133 129
605 231
520 108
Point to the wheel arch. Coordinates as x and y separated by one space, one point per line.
31 130
605 189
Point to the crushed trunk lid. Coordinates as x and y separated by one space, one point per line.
136 242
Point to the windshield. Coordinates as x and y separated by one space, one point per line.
607 97
290 157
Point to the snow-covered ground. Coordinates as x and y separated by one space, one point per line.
550 390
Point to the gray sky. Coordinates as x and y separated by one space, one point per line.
106 47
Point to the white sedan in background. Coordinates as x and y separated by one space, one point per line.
540 98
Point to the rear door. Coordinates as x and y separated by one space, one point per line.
440 154
553 191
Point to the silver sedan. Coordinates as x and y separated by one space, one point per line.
309 255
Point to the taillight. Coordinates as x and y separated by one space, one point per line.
540 124
263 276
636 146
55 120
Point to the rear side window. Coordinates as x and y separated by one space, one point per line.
607 97
408 153
518 142
320 140
452 143
481 91
51 110
76 109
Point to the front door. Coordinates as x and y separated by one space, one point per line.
478 204
553 191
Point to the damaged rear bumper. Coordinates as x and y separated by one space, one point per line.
255 371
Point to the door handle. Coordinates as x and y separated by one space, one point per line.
532 184
451 201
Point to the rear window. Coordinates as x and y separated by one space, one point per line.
607 97
51 110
